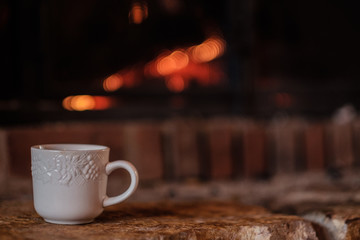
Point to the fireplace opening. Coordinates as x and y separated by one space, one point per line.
66 61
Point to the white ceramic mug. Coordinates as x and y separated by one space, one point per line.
69 181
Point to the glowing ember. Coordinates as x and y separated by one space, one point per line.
181 59
138 12
86 102
208 50
176 67
171 63
113 82
82 103
102 103
166 66
175 83
66 103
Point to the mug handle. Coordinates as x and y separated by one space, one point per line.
111 166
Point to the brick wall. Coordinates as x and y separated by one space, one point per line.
178 149
4 160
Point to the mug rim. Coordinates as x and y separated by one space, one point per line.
69 147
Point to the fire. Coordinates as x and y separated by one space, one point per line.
82 103
86 102
175 61
175 83
113 82
67 103
138 12
207 51
125 78
176 67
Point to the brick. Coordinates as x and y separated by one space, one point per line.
254 163
4 161
340 145
143 149
237 149
285 136
356 143
219 134
314 147
182 150
203 146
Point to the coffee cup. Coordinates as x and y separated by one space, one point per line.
70 180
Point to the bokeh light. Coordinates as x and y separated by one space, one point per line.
207 51
178 67
86 102
176 83
66 103
113 82
138 12
82 103
171 63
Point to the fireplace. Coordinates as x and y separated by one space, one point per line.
66 61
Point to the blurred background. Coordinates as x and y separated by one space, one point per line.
65 60
186 90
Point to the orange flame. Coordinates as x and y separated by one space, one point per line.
138 12
175 61
169 63
82 103
113 82
86 102
179 66
207 51
102 103
176 83
66 103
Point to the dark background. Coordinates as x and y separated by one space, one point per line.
288 57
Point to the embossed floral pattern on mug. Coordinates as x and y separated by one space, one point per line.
68 169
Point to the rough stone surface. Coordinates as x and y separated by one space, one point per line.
210 220
339 222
